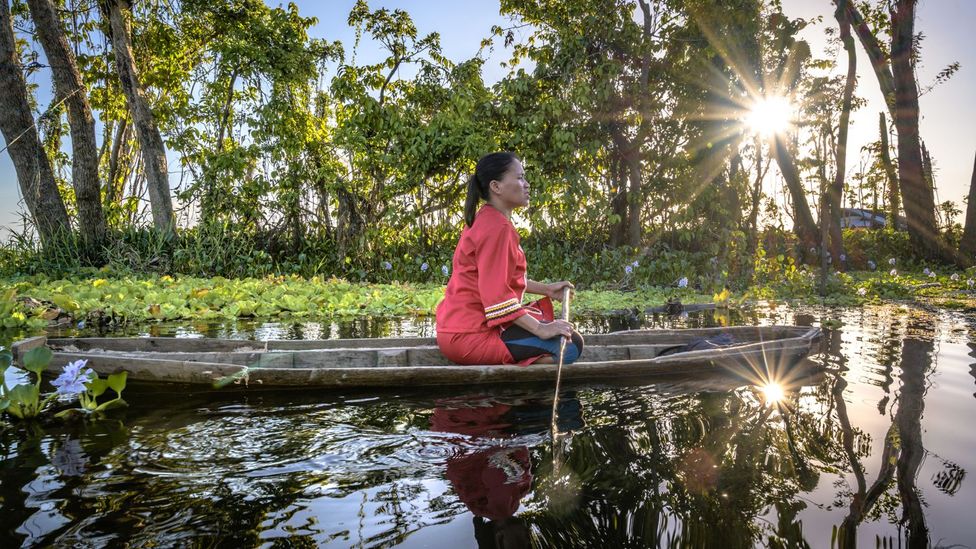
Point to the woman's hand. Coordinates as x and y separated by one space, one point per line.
556 328
555 290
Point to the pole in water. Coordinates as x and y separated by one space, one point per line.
559 375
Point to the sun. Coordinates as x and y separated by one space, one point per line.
770 115
773 393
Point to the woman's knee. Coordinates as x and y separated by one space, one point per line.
574 349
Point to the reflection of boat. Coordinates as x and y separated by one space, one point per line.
629 355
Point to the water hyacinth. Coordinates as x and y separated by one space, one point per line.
72 380
683 282
629 269
892 261
636 264
969 283
862 292
424 266
931 274
843 257
872 265
954 277
926 271
387 265
445 270
894 272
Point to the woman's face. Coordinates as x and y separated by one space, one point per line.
512 189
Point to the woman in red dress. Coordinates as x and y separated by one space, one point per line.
482 319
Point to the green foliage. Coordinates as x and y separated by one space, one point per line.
13 313
25 400
301 160
166 298
877 246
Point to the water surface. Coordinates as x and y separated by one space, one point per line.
872 446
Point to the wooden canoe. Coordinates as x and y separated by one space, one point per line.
406 362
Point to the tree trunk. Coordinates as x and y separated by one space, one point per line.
113 184
836 190
879 62
894 199
147 133
630 174
754 207
634 199
69 88
32 165
919 199
803 225
618 203
967 247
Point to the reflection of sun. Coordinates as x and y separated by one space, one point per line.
772 392
770 115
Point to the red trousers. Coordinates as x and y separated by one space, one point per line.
487 347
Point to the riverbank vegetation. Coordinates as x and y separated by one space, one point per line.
99 299
649 139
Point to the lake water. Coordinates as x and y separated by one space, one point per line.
876 447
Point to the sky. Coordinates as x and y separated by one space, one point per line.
948 124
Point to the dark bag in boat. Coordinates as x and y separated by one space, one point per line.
701 344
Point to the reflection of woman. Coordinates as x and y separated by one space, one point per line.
491 482
481 319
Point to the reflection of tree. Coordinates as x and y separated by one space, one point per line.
916 359
903 450
681 470
972 367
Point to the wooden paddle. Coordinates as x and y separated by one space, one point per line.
559 369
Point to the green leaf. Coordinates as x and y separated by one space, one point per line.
70 413
65 302
111 405
97 386
4 403
117 381
37 359
24 401
6 359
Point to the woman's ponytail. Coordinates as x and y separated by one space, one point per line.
471 200
491 167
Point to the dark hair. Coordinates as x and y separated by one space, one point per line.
490 167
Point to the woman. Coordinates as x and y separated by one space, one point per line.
481 319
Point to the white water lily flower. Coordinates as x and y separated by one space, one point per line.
969 282
862 292
954 277
892 261
931 274
894 272
872 265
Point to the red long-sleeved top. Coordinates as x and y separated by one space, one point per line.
487 279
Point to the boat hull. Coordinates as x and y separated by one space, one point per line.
414 362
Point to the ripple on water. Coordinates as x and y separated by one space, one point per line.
368 470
